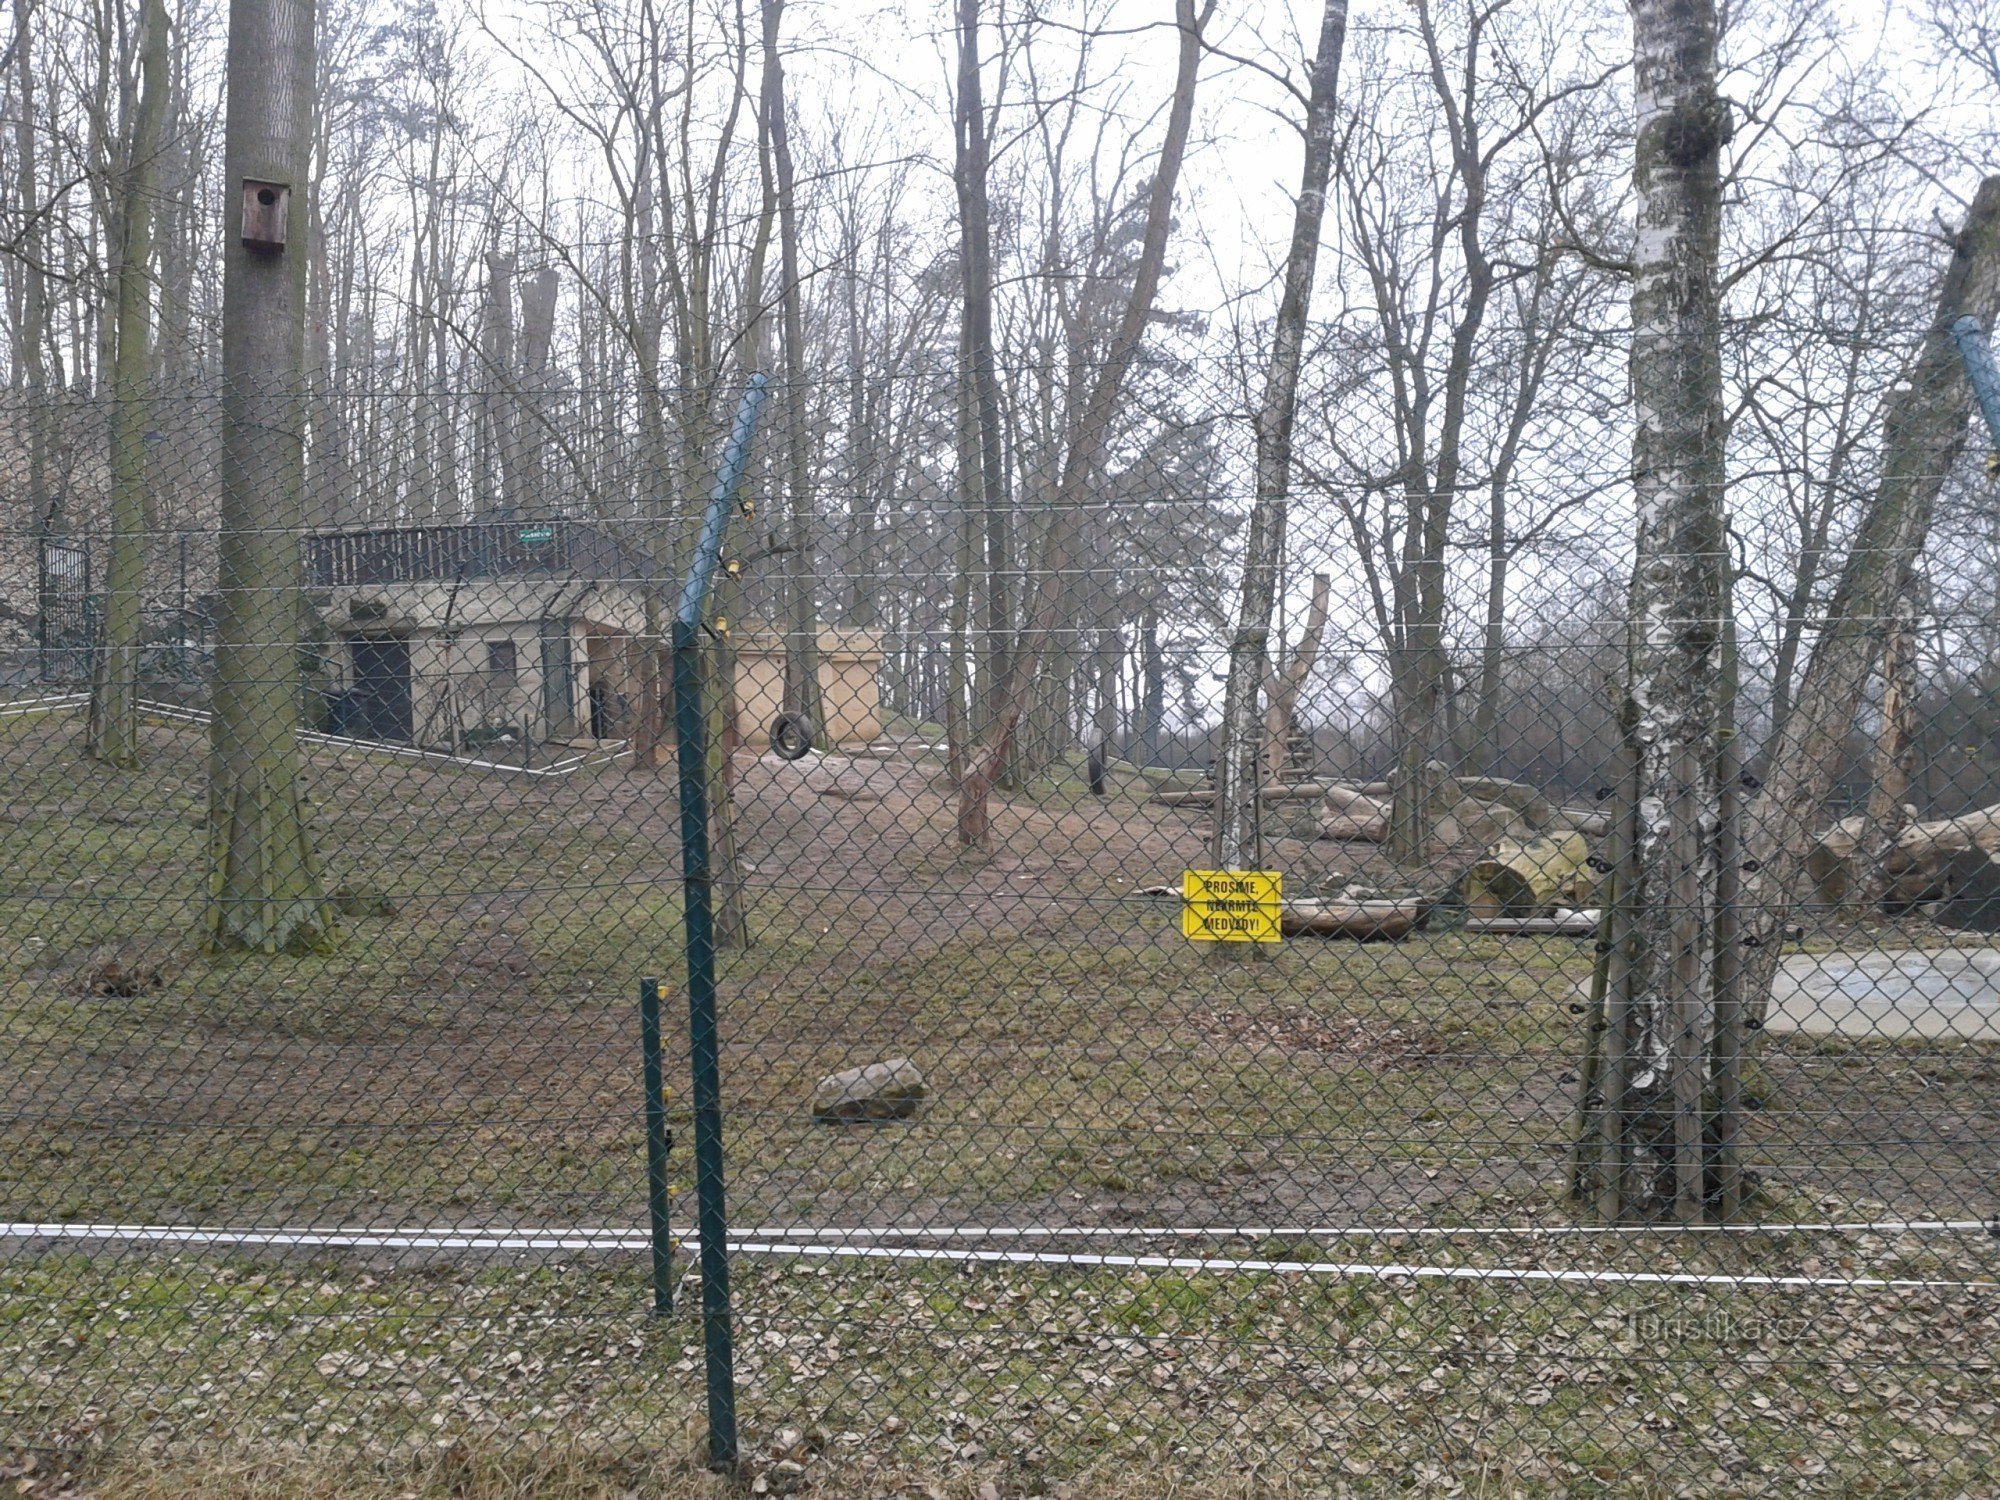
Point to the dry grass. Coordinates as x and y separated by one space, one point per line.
469 1056
462 1473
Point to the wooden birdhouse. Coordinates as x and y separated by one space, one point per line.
266 206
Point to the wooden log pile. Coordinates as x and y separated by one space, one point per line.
1922 863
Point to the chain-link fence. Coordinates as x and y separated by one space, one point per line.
1061 1154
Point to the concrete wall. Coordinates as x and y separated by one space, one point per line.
850 664
605 624
398 608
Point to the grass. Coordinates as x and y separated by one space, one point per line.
482 1382
469 1056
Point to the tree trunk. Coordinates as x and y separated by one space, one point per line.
1288 682
1417 674
1923 429
1898 733
985 483
1662 1014
1238 832
31 330
1110 655
973 169
959 734
801 684
725 738
263 886
527 474
659 496
1153 690
496 354
113 735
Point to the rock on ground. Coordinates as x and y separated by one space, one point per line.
890 1090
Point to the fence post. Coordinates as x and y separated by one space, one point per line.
1723 1174
691 732
1978 357
658 1142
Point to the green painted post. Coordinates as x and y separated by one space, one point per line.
704 1049
658 1143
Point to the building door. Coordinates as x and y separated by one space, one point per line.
558 680
382 706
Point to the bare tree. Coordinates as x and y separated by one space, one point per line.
1922 431
113 735
1051 603
801 696
1240 764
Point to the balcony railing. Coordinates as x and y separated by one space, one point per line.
480 549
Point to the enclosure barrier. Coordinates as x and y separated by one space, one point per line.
991 1167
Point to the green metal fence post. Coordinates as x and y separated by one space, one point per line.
658 1142
691 730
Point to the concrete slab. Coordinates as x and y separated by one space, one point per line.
1944 993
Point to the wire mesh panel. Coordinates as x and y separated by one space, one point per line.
1075 1139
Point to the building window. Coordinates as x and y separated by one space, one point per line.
500 660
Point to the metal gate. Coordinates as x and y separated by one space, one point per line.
66 613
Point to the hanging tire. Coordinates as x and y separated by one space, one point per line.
791 736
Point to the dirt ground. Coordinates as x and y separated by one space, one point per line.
469 1056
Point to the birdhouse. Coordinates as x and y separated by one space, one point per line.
266 205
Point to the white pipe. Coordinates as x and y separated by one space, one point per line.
565 767
207 1237
610 1240
1356 1268
620 1239
1302 1231
18 707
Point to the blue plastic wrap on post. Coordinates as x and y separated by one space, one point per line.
728 481
704 1050
1978 357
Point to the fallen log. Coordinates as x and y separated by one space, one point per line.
1525 879
1354 919
1920 863
1351 814
1587 821
1284 791
1562 924
1915 868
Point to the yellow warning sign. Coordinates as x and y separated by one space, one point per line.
1231 906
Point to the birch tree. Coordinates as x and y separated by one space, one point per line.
1662 1007
263 883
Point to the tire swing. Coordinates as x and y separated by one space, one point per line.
792 736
